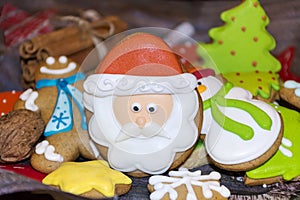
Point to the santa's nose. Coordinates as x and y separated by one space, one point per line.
141 121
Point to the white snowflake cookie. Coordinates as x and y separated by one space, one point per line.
184 184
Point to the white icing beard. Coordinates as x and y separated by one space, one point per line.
153 155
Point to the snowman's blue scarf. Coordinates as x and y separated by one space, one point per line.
62 116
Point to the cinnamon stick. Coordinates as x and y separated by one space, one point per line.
70 41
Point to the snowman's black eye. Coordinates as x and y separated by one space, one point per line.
199 83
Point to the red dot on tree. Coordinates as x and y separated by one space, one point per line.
270 72
255 39
233 18
256 71
273 78
259 79
255 4
241 81
254 63
232 53
264 17
259 87
243 28
238 73
220 41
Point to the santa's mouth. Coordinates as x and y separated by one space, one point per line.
130 130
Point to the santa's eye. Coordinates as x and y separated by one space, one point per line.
136 107
151 107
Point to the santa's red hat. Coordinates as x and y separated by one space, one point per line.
140 64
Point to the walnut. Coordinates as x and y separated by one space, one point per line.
19 132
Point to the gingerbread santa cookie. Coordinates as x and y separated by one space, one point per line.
147 113
240 132
59 102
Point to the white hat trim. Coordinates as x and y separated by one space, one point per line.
102 85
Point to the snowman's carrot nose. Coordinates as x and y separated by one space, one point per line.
201 88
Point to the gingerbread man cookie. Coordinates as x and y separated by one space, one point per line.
60 105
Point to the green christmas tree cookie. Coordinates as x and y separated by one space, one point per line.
242 46
258 83
285 162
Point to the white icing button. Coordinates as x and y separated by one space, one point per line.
50 60
4 101
72 65
63 59
2 113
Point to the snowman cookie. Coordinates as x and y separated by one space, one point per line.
240 132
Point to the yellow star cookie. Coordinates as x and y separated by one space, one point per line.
82 177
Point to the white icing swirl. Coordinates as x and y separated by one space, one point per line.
285 151
48 151
29 96
288 143
102 85
166 185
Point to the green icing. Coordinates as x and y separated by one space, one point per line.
242 130
260 117
242 44
199 144
206 104
258 83
280 164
